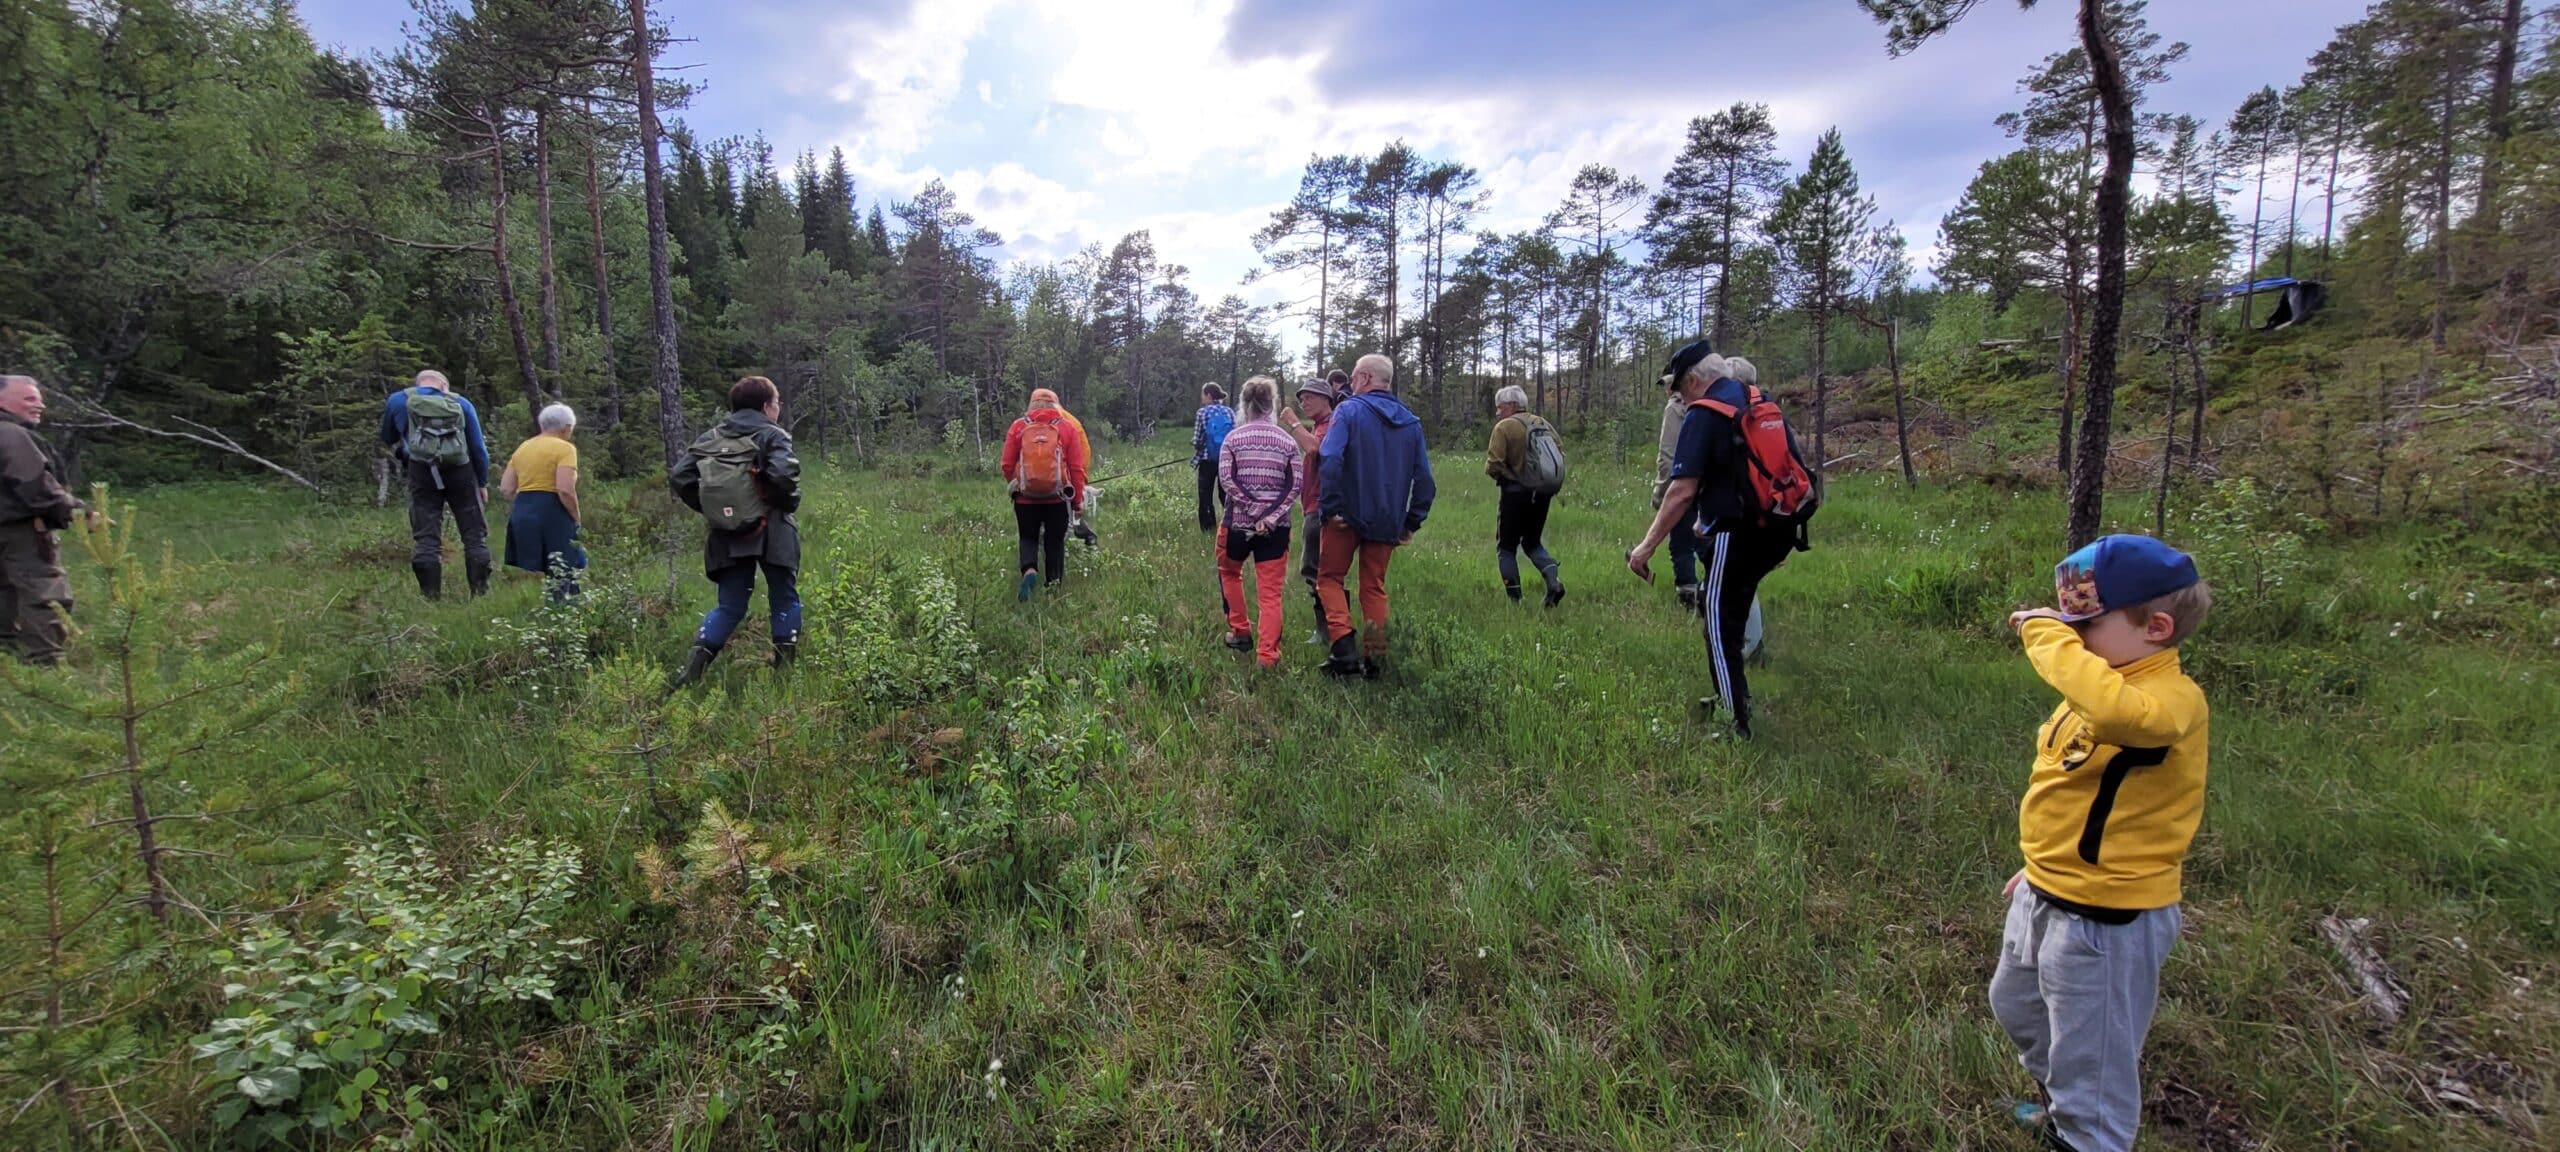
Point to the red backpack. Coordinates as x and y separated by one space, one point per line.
1787 492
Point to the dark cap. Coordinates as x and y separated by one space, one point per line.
1684 360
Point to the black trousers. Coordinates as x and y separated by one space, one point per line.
1208 472
1309 556
1736 562
1040 530
1520 524
432 491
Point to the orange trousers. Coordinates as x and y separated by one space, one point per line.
1334 553
1270 578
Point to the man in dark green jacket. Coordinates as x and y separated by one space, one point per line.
35 595
732 557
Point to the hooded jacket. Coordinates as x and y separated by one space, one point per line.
31 479
777 540
1376 469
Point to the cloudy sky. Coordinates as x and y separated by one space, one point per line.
1063 122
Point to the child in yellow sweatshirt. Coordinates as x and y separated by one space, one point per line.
2110 809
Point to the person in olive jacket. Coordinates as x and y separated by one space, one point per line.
732 557
35 595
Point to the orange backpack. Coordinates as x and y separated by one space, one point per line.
1787 492
1041 473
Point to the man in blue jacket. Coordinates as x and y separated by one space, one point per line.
1375 492
436 436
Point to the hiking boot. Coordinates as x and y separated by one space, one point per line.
1239 641
1555 594
696 663
1688 597
1370 668
1030 584
478 574
1084 532
430 580
785 653
1345 657
1512 591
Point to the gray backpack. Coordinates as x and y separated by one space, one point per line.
1542 471
732 497
439 434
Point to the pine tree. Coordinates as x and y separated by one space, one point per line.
1314 231
1819 220
1591 219
1724 182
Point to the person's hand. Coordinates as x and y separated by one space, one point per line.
1337 522
2018 620
2011 888
1289 416
1408 539
1640 562
484 495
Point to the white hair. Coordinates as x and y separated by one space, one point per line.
557 418
1512 394
10 383
1381 371
434 379
1741 371
1710 369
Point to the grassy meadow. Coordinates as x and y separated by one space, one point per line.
980 874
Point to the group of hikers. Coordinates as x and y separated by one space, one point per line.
2112 801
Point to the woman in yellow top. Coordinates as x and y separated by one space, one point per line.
542 480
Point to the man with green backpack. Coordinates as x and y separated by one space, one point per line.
436 436
1527 461
744 480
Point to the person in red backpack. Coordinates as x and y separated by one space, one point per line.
1044 457
1713 493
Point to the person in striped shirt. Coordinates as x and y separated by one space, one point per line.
1258 472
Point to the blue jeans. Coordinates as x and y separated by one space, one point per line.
1684 555
737 585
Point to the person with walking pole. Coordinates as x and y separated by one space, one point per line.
436 436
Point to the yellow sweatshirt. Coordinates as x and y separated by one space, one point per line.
2118 786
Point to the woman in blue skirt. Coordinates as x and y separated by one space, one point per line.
542 480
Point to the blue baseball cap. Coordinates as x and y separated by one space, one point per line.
2118 572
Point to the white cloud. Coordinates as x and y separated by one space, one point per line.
899 77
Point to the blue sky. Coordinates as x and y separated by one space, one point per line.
1062 122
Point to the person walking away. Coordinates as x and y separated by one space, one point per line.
1044 469
1078 525
35 593
742 476
1754 631
2111 807
1376 493
1209 428
541 485
1258 475
1526 462
436 436
1316 399
1717 489
1684 543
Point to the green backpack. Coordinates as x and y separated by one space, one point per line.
438 432
732 498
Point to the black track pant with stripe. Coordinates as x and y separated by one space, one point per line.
1735 562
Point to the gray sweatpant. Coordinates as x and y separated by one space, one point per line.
2076 997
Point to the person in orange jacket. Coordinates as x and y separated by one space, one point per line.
1044 456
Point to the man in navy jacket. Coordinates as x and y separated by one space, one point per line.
1375 492
463 488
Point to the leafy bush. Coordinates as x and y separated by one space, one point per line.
319 1017
890 638
1054 733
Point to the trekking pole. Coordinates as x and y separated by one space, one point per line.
1142 471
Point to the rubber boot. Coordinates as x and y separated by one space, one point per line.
1345 658
1512 591
786 652
430 580
696 663
478 574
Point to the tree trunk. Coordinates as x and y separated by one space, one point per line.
662 294
2257 216
1324 284
2329 189
2168 437
2293 206
604 290
145 833
548 276
1724 261
2502 88
2089 471
506 270
2194 321
2443 286
2072 304
1821 385
1901 420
